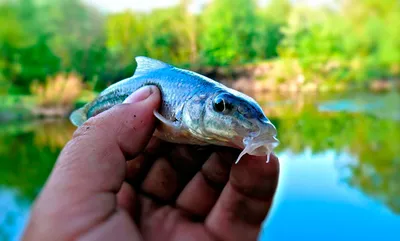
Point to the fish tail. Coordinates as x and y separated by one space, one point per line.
78 117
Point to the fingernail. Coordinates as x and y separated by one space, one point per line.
139 95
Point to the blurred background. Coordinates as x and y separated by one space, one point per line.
326 73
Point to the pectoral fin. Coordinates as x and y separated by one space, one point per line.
165 121
78 117
174 131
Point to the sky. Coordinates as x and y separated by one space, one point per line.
147 5
139 5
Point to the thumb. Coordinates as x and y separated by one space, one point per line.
102 145
129 125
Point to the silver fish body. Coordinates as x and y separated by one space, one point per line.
194 109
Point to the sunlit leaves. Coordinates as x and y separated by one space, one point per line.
358 38
229 34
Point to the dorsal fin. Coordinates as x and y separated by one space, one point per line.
146 65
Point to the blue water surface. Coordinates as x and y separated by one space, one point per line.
313 204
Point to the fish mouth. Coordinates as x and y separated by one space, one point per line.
260 142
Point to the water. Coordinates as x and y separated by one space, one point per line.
339 167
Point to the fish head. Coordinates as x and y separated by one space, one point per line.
235 119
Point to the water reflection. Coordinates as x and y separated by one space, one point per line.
372 139
313 204
28 153
339 164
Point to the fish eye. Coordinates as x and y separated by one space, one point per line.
222 105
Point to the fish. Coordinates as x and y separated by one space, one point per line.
194 109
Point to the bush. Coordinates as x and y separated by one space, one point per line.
59 91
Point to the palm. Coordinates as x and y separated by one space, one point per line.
195 193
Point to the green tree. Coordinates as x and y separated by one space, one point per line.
355 42
374 36
125 33
228 34
77 36
40 38
12 38
272 18
168 36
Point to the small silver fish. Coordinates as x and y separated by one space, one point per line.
194 109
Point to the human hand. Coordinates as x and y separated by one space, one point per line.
113 181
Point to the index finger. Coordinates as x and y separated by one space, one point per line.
246 199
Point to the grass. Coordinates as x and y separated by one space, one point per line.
56 97
59 91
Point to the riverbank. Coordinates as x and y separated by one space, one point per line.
276 77
27 107
288 76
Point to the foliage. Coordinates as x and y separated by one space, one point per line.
229 34
271 20
46 37
353 42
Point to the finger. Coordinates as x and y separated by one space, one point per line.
187 160
255 178
201 193
245 200
91 168
94 160
161 181
126 199
138 168
172 171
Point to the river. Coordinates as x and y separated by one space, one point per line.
340 162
